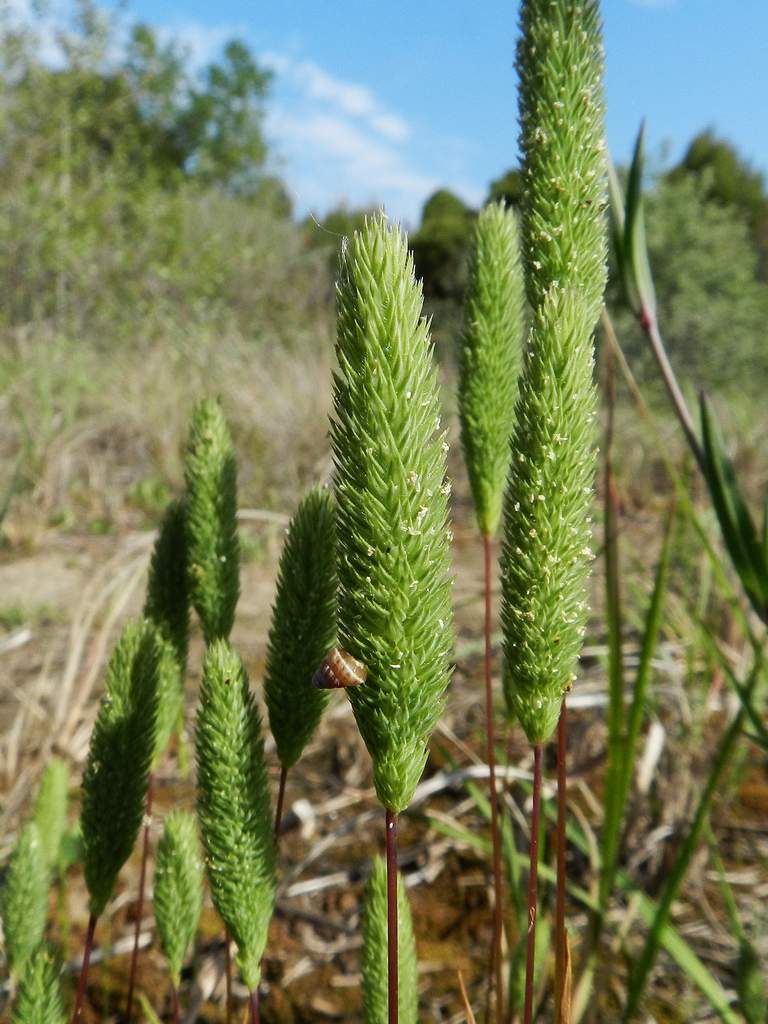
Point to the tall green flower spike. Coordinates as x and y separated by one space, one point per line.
374 958
489 359
546 555
167 602
121 751
560 64
212 539
178 892
391 494
234 806
24 900
39 999
303 627
50 810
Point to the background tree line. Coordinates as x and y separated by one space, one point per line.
134 195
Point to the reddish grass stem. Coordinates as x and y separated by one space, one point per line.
280 800
392 965
176 1011
84 970
253 1002
140 903
562 803
498 892
532 886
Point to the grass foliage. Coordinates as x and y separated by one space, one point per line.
303 627
178 890
119 758
391 495
234 806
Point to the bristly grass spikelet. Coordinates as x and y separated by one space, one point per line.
489 363
178 890
391 495
167 601
213 545
39 999
49 812
374 955
234 806
547 513
121 751
303 627
546 556
560 64
24 899
490 354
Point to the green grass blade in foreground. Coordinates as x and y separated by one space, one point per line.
234 806
490 354
374 955
736 523
303 627
50 809
392 508
24 899
39 999
167 602
213 545
178 890
643 965
119 758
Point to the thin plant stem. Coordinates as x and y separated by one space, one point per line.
530 960
280 800
228 976
176 1010
562 805
253 1003
392 963
650 326
498 892
140 903
84 970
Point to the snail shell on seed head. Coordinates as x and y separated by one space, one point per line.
339 670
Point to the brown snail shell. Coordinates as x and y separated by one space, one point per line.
339 670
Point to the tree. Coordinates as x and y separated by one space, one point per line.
712 309
441 244
508 187
729 180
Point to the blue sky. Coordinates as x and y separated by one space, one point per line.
377 102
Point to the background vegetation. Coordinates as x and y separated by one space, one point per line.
149 258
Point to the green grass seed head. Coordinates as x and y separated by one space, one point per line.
211 516
39 999
119 758
167 602
50 809
24 900
375 988
489 358
546 554
234 806
303 627
391 495
178 889
560 64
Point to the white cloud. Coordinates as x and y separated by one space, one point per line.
349 98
